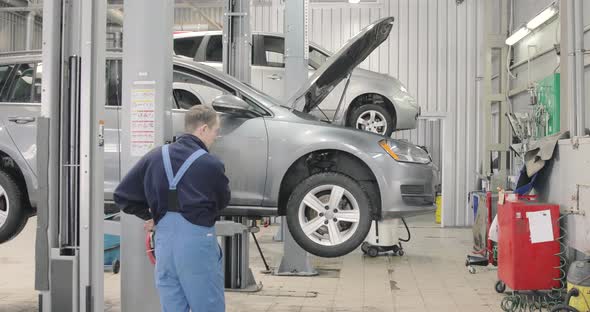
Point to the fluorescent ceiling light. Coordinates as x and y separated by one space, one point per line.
354 1
521 33
542 17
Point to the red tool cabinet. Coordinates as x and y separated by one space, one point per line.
522 264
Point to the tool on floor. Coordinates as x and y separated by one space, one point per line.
383 237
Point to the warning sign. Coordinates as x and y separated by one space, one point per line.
143 118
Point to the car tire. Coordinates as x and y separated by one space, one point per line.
319 232
369 117
13 214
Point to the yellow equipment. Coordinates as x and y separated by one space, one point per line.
438 202
578 278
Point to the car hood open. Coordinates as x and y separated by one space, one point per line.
342 63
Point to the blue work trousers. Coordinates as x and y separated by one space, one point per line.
189 271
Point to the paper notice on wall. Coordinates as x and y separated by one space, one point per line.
540 226
143 118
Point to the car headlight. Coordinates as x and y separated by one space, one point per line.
405 152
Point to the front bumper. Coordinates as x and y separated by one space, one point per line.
411 191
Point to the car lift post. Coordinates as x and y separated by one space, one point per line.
146 87
235 236
295 260
69 240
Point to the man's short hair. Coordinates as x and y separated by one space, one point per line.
199 115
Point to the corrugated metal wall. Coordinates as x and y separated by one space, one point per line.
189 17
434 49
13 29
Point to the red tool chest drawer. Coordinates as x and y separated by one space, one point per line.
527 246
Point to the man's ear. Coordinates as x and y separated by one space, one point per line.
203 127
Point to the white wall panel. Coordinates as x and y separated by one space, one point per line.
13 30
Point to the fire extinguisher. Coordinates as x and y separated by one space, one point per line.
150 246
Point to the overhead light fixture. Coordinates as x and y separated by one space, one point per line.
542 17
354 1
519 34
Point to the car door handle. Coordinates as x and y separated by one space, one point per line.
274 77
21 120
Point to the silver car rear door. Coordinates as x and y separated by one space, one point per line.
20 105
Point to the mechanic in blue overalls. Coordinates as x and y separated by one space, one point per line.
180 189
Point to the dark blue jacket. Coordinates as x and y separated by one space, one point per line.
202 192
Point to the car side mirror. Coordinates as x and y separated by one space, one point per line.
233 105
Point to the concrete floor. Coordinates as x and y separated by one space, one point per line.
431 276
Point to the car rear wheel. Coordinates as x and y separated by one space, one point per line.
373 118
13 216
328 214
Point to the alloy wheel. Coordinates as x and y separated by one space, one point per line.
4 206
372 121
329 215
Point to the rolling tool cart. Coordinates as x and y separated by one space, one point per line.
484 206
383 238
528 245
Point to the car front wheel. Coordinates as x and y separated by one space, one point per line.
328 214
12 211
373 118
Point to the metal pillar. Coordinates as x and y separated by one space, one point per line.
578 31
237 51
69 243
295 260
147 85
237 46
280 234
30 30
495 42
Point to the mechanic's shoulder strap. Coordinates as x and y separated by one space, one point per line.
174 179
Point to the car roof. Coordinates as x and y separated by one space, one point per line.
35 56
191 34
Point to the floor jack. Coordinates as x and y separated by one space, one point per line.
383 237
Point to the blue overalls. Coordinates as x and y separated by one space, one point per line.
189 264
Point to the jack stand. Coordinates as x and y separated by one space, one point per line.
383 237
236 254
295 261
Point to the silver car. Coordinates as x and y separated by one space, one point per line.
374 102
330 181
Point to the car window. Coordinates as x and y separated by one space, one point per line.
114 72
185 99
214 51
203 90
4 73
255 107
273 50
21 86
187 46
316 58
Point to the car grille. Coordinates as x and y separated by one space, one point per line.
412 189
416 195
